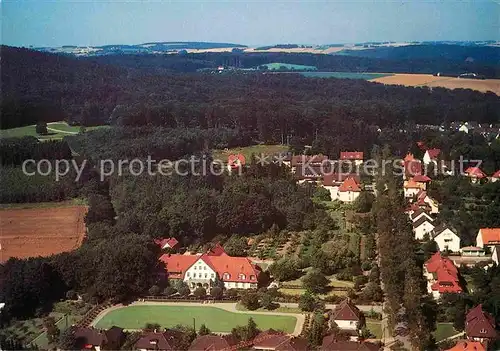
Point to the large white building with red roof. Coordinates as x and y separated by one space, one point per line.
203 270
354 156
442 276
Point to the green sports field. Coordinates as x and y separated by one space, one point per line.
216 319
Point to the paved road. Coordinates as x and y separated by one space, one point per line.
230 307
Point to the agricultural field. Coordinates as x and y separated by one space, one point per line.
42 231
428 80
57 131
276 66
216 319
346 75
247 151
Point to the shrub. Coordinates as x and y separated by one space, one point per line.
200 293
250 300
154 290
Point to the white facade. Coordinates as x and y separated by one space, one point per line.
448 240
346 325
494 255
427 159
411 192
424 228
334 192
348 196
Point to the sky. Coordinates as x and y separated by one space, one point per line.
84 22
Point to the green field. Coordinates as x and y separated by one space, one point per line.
345 75
375 327
61 129
443 331
276 66
216 319
247 151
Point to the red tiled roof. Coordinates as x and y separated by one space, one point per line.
349 185
177 265
346 311
496 174
217 250
480 324
336 179
351 155
330 343
490 235
210 343
411 184
412 167
445 272
158 341
467 345
475 172
166 243
409 157
433 153
421 178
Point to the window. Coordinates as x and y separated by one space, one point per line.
212 275
483 331
188 274
204 268
227 276
206 275
194 267
252 277
241 276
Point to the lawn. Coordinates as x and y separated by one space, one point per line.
52 135
375 327
279 309
216 319
443 331
247 151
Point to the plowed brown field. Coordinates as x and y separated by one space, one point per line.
429 80
40 231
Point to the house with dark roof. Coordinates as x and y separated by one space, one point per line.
158 341
203 270
348 318
446 238
417 214
278 341
168 243
442 276
330 343
423 226
480 325
212 343
96 339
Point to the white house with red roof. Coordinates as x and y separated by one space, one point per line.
349 190
333 181
168 243
480 325
442 276
495 176
475 174
353 156
203 270
348 318
425 202
411 188
431 155
488 237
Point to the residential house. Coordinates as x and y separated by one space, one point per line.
467 345
411 188
419 213
353 156
348 318
412 166
158 341
422 180
495 254
96 339
349 190
311 160
488 237
333 181
423 226
472 251
442 276
330 343
168 243
212 343
431 155
464 128
278 341
426 202
446 239
203 270
495 176
480 325
308 173
475 174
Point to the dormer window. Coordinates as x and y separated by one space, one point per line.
483 331
241 276
226 276
252 277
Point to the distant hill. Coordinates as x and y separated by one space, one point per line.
457 53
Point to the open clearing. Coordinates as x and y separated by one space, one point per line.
247 151
56 131
216 319
40 231
414 80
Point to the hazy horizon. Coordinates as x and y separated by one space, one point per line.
96 23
